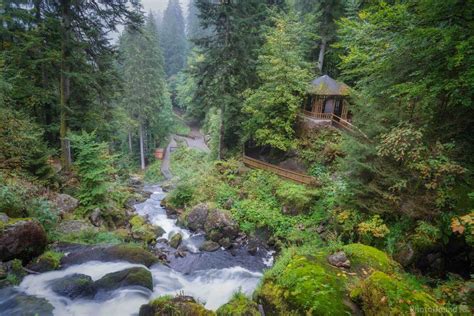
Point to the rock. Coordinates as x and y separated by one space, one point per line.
48 261
3 271
179 305
4 218
23 239
136 276
135 181
64 203
175 240
252 246
74 286
219 224
209 246
124 252
404 254
197 217
158 230
16 303
167 186
339 259
96 218
225 242
74 227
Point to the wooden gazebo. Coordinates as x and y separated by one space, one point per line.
327 100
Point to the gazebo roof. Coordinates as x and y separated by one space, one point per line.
325 85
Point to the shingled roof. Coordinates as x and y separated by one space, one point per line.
325 85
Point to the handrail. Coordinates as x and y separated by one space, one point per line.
282 172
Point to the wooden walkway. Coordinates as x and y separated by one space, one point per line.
284 173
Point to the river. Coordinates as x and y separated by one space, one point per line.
210 277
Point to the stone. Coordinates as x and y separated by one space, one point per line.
23 239
158 230
74 226
49 261
404 254
14 302
209 246
64 203
4 218
96 218
179 305
339 259
123 252
176 240
136 276
219 224
197 217
74 286
225 242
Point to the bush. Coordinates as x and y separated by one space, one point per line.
12 200
43 211
181 196
92 237
153 173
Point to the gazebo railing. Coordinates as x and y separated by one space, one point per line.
320 116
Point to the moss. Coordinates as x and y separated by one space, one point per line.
142 230
272 297
239 305
50 259
132 253
308 286
382 294
362 256
177 306
136 276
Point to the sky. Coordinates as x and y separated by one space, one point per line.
160 5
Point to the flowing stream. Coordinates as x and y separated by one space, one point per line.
210 277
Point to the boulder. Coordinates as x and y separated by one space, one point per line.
48 261
4 218
122 252
96 218
14 302
176 240
23 239
219 224
136 276
171 306
197 217
64 203
74 227
209 246
339 259
74 286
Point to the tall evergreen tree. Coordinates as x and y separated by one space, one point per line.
173 39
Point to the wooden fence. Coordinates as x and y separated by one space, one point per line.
284 173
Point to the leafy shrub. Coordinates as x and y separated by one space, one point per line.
12 200
92 237
182 195
296 196
373 229
44 212
153 173
94 168
426 235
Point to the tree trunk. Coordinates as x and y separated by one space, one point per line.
130 142
64 80
322 51
142 151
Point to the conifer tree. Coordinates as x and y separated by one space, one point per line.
173 40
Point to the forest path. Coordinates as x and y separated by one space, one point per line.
195 140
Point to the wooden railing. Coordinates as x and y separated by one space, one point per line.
284 173
319 116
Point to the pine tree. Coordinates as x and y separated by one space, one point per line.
173 41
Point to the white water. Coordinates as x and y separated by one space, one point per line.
212 287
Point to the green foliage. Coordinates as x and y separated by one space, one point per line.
181 196
153 173
45 213
366 257
425 235
52 257
92 237
12 200
272 108
239 305
297 197
94 168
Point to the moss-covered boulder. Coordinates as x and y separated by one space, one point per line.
74 286
382 294
22 239
209 246
136 276
144 231
48 261
122 252
174 306
304 285
367 258
239 305
176 240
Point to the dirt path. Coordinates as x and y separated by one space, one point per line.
194 140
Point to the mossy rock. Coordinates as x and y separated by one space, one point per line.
74 286
176 240
174 306
366 257
48 261
17 303
382 294
305 286
141 230
136 276
239 305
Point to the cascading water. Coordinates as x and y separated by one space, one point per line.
210 277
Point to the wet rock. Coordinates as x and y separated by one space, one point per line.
74 226
158 230
49 261
225 242
15 303
209 246
339 259
96 218
4 218
136 276
197 217
125 252
252 246
175 240
219 224
179 305
74 286
23 239
64 203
